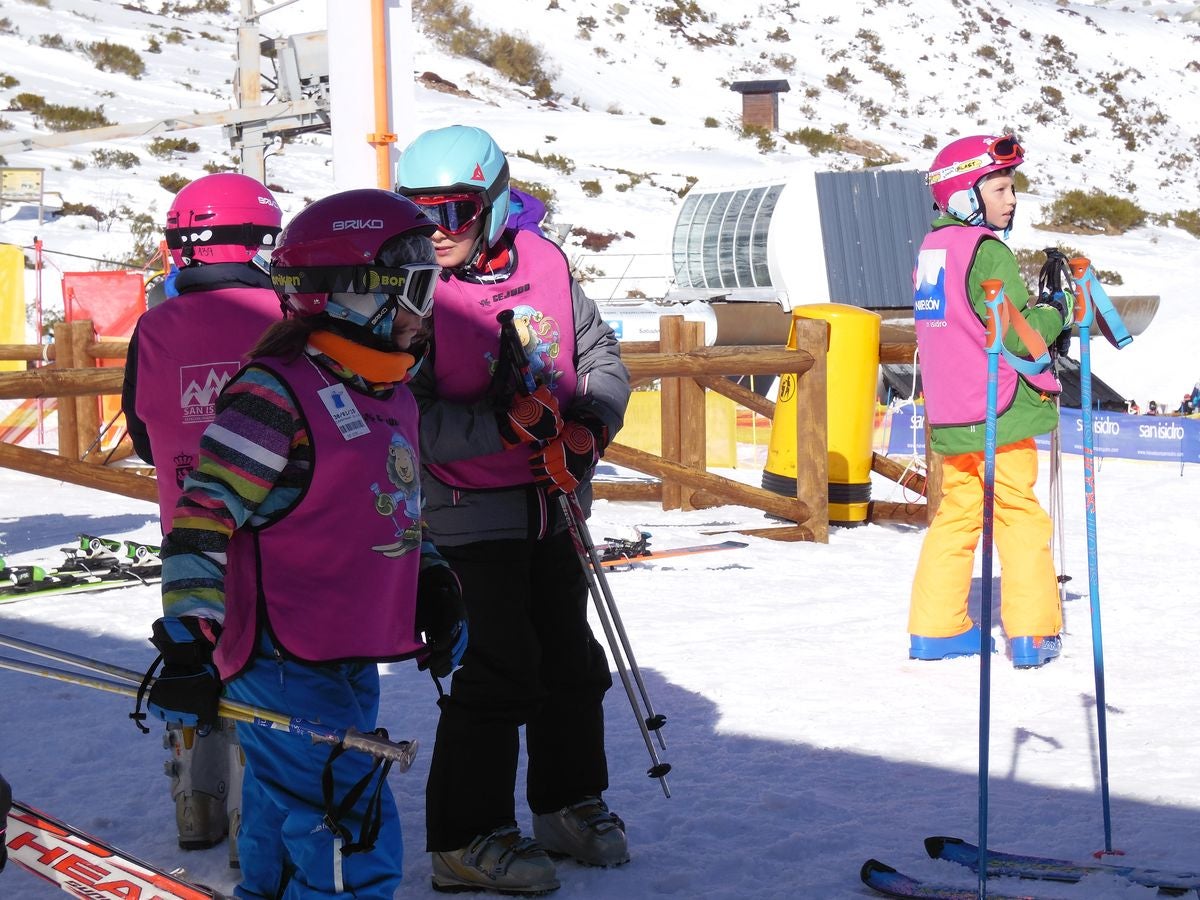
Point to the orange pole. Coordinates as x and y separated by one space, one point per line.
382 138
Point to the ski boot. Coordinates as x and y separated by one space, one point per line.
1032 652
233 800
587 831
199 784
965 644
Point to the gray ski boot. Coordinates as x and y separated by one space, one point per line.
199 784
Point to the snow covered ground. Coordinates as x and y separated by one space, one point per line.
802 738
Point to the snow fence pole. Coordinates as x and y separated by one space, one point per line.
993 290
402 753
512 354
1085 318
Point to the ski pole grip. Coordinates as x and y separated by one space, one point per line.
1085 310
993 292
402 753
512 352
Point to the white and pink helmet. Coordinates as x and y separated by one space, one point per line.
960 166
221 218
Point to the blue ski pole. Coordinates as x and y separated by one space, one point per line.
993 290
1085 317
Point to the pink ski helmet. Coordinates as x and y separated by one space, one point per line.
357 242
221 218
962 164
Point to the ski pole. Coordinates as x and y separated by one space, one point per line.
993 290
402 753
1085 318
597 582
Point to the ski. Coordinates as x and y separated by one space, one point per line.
93 564
1051 869
85 866
885 880
613 555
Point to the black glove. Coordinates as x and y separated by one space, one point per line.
530 419
188 689
441 620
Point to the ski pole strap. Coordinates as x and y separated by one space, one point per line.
1093 305
1002 316
137 715
372 815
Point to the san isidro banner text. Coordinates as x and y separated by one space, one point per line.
1164 438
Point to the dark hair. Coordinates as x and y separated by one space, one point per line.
285 339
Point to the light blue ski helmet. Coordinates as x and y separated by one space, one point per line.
458 159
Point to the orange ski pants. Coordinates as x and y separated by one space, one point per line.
1029 603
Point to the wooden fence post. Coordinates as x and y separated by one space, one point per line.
693 436
670 338
64 358
87 408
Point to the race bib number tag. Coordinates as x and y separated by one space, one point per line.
342 410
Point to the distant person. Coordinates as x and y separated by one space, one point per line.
972 184
1152 409
1132 408
1185 405
182 353
496 466
1195 397
297 559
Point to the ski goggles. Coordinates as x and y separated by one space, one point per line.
452 213
412 285
1000 151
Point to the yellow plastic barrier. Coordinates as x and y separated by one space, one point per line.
853 371
643 427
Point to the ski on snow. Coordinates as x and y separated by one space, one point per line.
1050 869
93 564
616 552
886 880
85 866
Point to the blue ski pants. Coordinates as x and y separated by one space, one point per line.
283 838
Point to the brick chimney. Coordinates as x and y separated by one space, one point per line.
760 102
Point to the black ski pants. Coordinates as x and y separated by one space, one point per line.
531 660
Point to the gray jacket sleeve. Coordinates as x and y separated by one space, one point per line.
603 387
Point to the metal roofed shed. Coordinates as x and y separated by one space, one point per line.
800 237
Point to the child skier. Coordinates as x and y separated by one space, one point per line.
972 185
283 523
496 466
180 356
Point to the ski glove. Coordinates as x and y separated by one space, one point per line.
1063 302
566 461
188 689
441 620
531 419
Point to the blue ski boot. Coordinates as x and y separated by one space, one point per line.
1031 652
965 644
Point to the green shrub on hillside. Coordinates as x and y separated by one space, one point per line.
1188 220
165 148
517 59
173 183
115 159
1093 212
110 57
814 139
59 118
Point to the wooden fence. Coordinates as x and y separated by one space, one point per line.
679 359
